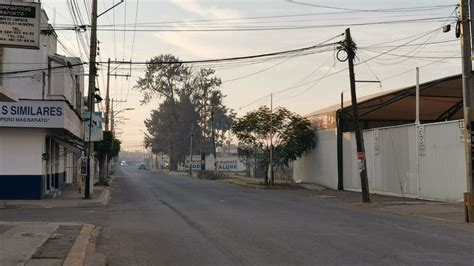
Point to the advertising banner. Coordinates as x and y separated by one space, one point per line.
95 126
20 24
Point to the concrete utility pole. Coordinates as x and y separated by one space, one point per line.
112 118
92 75
349 46
191 150
213 136
467 87
271 140
107 99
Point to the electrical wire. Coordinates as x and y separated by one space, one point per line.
400 9
271 28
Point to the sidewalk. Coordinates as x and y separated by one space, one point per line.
35 244
70 197
442 211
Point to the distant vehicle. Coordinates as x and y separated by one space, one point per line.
123 163
142 166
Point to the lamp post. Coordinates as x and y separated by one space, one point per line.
112 129
114 114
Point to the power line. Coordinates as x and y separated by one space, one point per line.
39 69
237 58
400 9
268 28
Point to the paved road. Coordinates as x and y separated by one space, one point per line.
155 219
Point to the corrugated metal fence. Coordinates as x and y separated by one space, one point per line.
420 162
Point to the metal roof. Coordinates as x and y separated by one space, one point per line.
440 100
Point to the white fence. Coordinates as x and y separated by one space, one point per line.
421 162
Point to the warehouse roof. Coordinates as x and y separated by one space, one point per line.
440 100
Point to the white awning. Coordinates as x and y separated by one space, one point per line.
69 146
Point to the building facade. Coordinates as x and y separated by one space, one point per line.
41 129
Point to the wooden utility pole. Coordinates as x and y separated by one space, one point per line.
350 47
467 87
92 75
107 99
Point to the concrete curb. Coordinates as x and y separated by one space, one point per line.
102 200
243 184
14 205
78 253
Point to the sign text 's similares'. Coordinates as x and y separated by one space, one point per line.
31 111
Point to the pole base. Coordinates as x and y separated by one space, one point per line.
469 207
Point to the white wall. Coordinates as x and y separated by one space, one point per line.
21 151
29 85
320 165
391 164
70 168
442 167
394 163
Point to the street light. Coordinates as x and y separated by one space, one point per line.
113 114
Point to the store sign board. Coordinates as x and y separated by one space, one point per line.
20 24
39 114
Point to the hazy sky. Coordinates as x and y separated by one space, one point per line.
309 79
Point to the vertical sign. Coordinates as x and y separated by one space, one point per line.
376 142
20 24
421 140
461 131
96 126
361 161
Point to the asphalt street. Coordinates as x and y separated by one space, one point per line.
158 219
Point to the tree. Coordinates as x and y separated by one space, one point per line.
164 77
190 99
106 149
292 135
171 133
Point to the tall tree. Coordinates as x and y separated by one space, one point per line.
291 134
189 98
164 77
106 149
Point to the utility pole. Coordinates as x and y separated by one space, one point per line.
213 135
92 75
271 139
191 150
340 150
349 47
467 87
107 99
112 118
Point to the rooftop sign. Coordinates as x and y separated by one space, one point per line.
19 24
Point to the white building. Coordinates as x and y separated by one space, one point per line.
41 130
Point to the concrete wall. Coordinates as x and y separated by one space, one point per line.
400 161
320 165
29 85
16 161
21 173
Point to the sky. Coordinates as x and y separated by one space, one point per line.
393 38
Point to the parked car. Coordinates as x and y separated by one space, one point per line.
142 166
